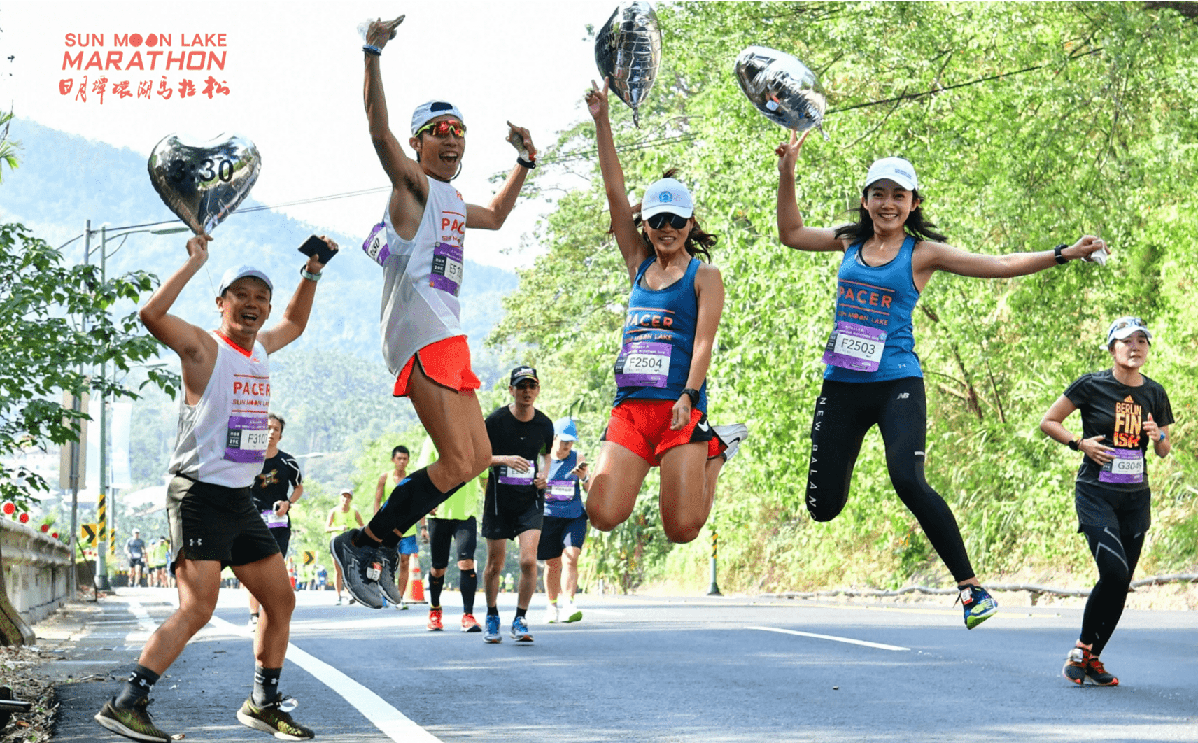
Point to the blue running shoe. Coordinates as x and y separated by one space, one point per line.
979 605
492 634
520 631
361 569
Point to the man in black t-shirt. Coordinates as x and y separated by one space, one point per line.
279 486
521 438
135 550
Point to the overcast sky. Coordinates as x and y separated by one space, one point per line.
294 74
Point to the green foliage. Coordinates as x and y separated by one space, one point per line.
58 327
1030 124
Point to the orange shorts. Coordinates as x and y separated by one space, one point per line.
446 362
643 428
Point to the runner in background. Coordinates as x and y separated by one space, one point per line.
564 528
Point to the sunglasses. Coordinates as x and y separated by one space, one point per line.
657 221
1128 322
526 385
443 128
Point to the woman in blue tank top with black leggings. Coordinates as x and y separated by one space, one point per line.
873 375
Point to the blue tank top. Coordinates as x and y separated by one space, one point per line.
872 339
563 494
659 338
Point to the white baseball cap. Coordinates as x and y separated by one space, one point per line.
667 195
1126 327
430 110
241 272
896 169
565 429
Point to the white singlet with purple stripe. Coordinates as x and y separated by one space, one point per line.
422 276
222 439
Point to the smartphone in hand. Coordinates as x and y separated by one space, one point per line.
314 246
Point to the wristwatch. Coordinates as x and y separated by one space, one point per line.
1073 445
693 394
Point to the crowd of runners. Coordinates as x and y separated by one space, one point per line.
524 472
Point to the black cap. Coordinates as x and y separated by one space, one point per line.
520 373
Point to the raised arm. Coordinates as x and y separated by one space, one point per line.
492 216
632 245
403 171
935 256
295 317
791 230
196 348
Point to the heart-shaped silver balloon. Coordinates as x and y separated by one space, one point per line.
203 183
781 87
628 52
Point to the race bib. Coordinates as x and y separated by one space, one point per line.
272 520
1126 467
643 364
246 439
510 476
856 347
447 268
376 244
560 490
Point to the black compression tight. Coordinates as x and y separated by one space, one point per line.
1116 556
844 413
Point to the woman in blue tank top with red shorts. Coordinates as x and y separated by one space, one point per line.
873 375
659 417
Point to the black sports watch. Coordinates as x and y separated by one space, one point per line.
1072 444
693 394
1058 256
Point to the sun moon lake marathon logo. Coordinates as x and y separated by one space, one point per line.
163 66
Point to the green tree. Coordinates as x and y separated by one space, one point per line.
1030 124
57 326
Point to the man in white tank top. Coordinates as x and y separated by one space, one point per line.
221 443
419 246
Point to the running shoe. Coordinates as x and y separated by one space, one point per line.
1075 665
733 435
570 612
274 718
132 723
470 624
979 605
360 568
434 620
1097 673
403 606
492 634
388 558
520 631
551 613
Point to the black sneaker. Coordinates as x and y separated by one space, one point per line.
132 723
1097 673
388 560
273 718
360 568
1075 666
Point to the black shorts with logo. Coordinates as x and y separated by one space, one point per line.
212 522
441 531
513 517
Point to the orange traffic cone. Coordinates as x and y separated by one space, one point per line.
415 591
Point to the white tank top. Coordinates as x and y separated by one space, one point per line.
422 276
222 439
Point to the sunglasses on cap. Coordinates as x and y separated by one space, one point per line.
443 128
657 221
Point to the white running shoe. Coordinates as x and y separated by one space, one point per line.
733 435
551 613
569 612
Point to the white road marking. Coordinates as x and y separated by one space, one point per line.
848 640
390 721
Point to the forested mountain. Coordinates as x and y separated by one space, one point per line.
331 384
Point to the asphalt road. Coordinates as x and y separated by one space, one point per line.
642 669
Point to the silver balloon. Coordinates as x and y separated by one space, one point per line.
628 52
203 183
781 87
